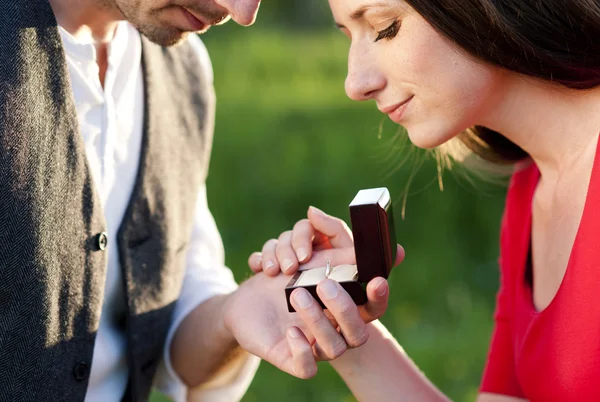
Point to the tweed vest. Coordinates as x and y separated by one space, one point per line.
52 263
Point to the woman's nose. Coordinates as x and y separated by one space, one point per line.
364 79
242 11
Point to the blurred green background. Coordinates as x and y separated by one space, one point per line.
288 137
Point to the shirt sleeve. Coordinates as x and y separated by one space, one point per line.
206 276
500 376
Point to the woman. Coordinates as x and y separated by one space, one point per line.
515 82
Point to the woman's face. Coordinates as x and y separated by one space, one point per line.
416 76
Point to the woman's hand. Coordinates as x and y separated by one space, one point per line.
311 243
258 318
342 326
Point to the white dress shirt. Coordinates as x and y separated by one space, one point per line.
111 121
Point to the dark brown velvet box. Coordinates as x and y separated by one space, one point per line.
372 222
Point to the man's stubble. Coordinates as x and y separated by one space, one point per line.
147 22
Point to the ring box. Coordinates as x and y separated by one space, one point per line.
372 220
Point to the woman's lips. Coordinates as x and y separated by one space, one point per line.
396 112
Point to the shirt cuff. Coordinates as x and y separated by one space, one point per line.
229 385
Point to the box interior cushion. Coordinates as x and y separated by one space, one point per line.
340 273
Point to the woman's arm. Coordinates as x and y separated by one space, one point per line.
485 397
381 371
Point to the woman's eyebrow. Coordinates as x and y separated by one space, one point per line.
360 12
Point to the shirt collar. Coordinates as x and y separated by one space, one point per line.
83 49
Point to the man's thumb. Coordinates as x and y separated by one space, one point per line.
335 229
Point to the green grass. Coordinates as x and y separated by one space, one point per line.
286 138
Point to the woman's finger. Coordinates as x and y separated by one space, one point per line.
270 266
331 342
399 255
336 229
345 311
255 262
302 240
305 365
286 257
378 293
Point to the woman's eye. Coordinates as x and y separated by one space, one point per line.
389 32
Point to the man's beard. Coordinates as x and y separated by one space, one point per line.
162 35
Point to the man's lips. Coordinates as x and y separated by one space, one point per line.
197 23
202 21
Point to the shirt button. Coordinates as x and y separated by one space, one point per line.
102 240
80 371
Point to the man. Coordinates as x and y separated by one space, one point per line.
112 276
96 262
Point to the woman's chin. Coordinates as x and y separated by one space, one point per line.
427 138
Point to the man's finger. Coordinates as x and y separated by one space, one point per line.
285 253
270 266
336 229
321 242
255 262
302 240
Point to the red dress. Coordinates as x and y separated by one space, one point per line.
552 355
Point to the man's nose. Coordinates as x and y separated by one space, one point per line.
364 80
242 11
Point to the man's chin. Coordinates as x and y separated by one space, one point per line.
168 37
165 37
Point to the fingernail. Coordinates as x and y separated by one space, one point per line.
269 264
329 289
257 260
294 332
381 289
317 211
287 264
302 298
302 254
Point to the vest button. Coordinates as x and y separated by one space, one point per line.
102 241
80 371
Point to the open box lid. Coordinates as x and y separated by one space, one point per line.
374 244
372 219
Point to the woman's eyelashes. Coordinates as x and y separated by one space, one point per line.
389 32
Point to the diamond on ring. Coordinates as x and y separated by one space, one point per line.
327 269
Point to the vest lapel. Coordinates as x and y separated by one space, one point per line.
178 125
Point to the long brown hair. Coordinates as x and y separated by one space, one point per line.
552 40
